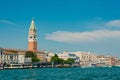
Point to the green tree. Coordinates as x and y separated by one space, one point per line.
32 55
35 59
56 59
60 61
56 55
70 61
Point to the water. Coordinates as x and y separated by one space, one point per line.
61 74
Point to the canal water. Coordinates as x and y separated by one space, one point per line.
61 74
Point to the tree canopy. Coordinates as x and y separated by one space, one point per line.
70 61
56 59
32 55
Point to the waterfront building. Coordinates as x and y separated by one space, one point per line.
84 58
22 59
107 61
10 57
81 58
65 55
118 63
49 56
13 57
41 55
101 61
93 59
110 61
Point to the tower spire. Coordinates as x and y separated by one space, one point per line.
32 26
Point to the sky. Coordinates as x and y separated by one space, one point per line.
62 25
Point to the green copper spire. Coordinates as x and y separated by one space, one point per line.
32 26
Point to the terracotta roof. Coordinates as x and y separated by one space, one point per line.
9 52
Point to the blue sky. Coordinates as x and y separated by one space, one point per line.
72 25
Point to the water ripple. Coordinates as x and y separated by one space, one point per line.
61 74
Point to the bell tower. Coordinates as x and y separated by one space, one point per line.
32 37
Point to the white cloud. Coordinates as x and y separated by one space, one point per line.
77 37
7 22
114 23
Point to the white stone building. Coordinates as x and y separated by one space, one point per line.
49 56
22 59
65 55
86 59
13 57
10 57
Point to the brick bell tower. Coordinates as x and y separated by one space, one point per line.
32 37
